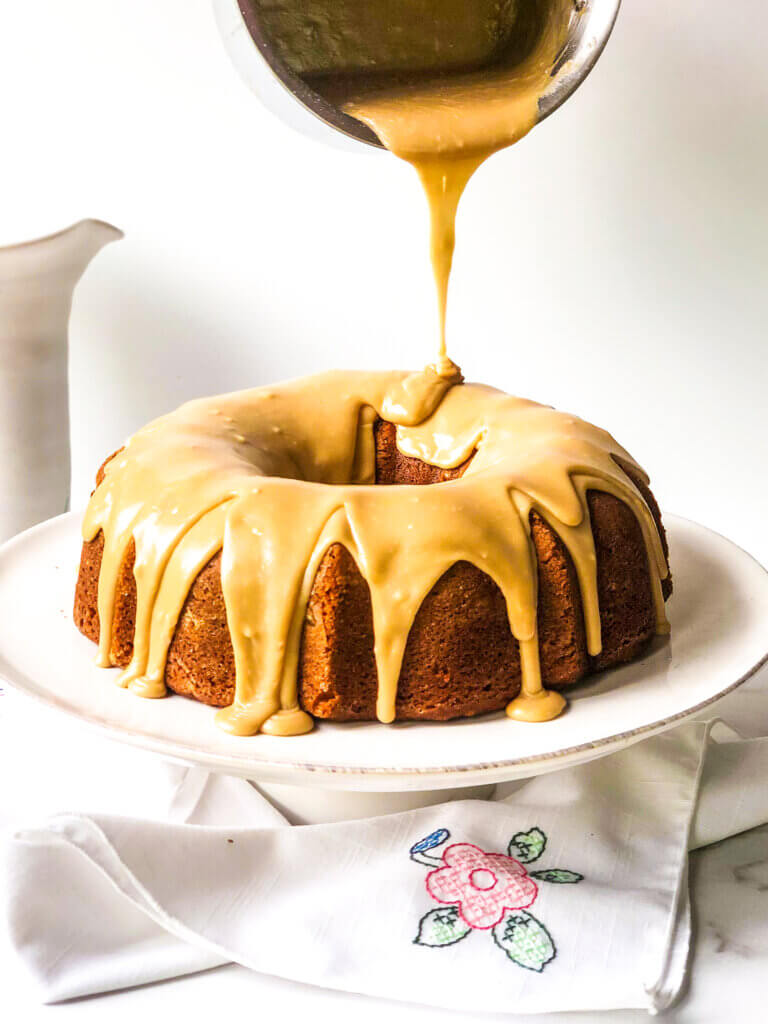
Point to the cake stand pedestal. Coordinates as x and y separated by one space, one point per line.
304 805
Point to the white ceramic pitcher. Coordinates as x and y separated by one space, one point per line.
37 280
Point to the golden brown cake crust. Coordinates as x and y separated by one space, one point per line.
461 658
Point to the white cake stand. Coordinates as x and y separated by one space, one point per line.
719 617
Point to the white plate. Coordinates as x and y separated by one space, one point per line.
719 616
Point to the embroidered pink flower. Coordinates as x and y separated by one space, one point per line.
483 885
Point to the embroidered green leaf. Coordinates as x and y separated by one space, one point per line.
557 875
441 927
527 846
525 940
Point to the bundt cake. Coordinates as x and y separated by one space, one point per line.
253 552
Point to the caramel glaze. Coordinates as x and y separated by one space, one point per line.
251 475
447 127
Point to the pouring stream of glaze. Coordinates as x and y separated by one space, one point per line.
446 128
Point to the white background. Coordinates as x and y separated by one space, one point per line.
613 263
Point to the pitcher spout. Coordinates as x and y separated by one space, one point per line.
66 253
76 246
85 238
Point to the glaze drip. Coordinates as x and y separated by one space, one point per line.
251 475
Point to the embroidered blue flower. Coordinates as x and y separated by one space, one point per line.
431 841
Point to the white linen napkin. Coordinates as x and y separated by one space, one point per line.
566 892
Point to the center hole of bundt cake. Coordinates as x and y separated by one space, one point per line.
392 467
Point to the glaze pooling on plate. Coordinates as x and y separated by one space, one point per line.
273 476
